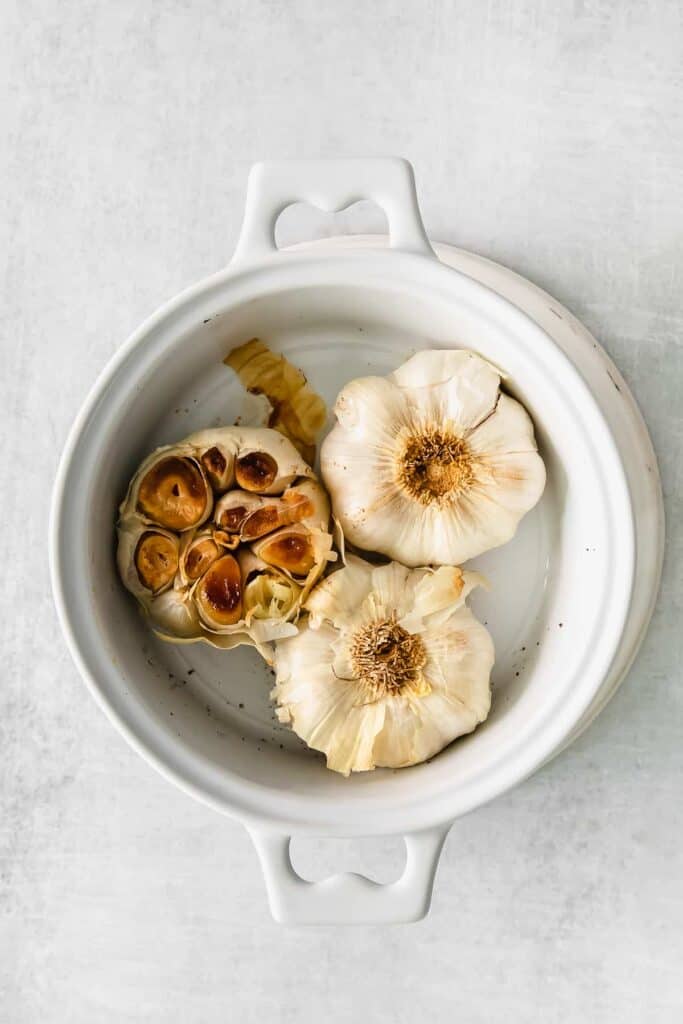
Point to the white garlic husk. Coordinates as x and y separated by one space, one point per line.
389 668
189 579
434 464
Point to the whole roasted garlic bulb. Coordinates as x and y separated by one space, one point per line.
390 667
222 536
434 464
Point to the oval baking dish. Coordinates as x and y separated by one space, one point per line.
566 610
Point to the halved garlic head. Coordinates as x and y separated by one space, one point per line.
187 524
389 669
174 493
434 464
218 594
156 560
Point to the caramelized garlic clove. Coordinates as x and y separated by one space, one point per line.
233 508
218 594
201 552
156 560
219 466
174 493
256 471
290 549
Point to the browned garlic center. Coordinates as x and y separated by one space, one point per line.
156 560
200 556
256 471
173 493
434 466
219 593
387 658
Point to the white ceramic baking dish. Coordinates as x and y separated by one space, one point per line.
571 594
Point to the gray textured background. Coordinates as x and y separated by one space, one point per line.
547 135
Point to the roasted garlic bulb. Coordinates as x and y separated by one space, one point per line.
434 464
222 536
390 667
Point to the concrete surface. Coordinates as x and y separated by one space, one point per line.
548 136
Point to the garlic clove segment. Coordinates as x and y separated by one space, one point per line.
233 508
218 594
396 668
267 462
218 463
432 465
174 493
291 549
147 558
305 502
198 552
156 560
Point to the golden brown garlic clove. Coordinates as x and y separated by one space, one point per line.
200 554
290 549
274 514
174 493
256 471
233 508
219 467
156 560
218 594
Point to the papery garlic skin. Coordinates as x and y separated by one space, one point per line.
189 578
390 667
432 465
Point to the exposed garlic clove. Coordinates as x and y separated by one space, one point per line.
156 560
290 549
311 503
174 493
432 465
218 594
219 465
267 462
199 552
396 669
261 521
147 558
233 508
305 502
256 471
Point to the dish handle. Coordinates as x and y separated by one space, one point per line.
350 898
330 185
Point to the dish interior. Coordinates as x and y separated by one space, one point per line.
541 610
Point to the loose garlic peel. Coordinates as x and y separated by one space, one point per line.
434 464
296 411
189 577
390 667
